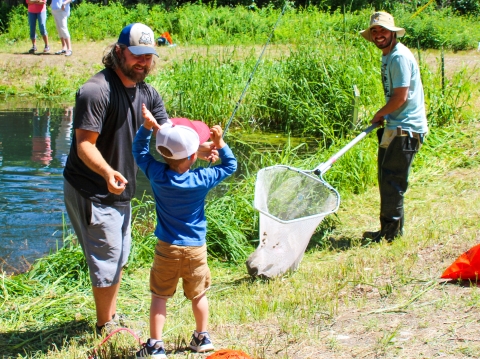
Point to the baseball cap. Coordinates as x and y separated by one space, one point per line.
138 38
182 137
383 19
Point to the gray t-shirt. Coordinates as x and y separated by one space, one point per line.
400 69
105 106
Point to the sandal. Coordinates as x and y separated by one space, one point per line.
32 50
61 52
68 53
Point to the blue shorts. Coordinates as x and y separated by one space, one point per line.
104 232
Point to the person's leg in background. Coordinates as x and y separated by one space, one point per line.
32 22
42 25
66 35
57 16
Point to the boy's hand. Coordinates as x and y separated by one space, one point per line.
150 121
216 133
206 151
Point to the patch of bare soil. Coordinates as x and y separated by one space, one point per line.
86 60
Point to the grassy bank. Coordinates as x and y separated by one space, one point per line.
346 300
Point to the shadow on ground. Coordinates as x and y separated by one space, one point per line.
19 342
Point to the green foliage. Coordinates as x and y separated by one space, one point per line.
55 85
213 25
448 98
311 90
216 79
439 29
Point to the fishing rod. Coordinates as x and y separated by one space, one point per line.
254 69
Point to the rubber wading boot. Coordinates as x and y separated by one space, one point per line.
376 236
394 166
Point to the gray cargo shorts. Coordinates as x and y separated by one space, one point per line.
104 232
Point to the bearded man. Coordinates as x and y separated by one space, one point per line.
404 118
100 172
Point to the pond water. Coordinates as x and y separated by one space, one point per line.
34 145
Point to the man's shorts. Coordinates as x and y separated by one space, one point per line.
104 233
173 262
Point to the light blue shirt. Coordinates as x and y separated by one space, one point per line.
57 5
400 69
180 198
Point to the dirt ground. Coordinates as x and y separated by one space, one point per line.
88 55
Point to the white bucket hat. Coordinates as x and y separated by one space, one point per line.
383 19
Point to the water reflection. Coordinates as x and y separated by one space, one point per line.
34 145
41 147
31 198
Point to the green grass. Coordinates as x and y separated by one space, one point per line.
372 294
48 312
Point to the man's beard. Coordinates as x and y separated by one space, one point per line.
385 45
130 73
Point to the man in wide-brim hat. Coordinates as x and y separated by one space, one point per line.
404 119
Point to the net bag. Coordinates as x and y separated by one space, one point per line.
292 203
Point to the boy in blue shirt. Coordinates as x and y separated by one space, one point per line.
180 193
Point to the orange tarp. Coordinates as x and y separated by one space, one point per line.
466 267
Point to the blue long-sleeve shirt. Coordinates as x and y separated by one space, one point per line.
180 198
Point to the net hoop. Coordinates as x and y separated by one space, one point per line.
260 199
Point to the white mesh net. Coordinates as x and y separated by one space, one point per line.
292 203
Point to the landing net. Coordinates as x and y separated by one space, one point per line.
292 203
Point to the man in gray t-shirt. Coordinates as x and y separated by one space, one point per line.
404 118
100 172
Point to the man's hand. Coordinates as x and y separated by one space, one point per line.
378 119
116 183
207 151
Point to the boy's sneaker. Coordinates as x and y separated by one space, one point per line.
46 49
157 351
32 50
201 342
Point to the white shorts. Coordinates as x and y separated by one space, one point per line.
61 17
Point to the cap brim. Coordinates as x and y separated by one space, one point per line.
142 50
200 127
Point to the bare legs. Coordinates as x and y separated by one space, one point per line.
158 314
200 311
66 44
45 40
105 302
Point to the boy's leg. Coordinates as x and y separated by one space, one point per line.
158 314
200 312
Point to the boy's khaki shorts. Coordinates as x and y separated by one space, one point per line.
173 262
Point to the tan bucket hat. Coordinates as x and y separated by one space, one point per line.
383 19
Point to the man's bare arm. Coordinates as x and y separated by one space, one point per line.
91 156
399 97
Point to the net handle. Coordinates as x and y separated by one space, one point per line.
324 167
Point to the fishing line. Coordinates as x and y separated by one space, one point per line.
254 69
